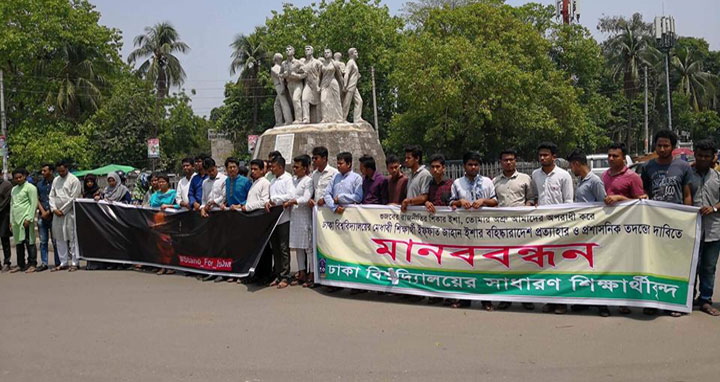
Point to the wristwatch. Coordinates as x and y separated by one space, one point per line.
714 209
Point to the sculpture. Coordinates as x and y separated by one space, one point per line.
352 75
311 92
283 114
330 104
292 74
338 60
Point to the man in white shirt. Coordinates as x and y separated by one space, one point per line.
323 174
553 186
213 188
183 187
258 196
281 191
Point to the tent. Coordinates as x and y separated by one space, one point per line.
104 170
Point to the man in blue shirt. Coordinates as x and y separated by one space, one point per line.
195 192
236 186
345 188
45 215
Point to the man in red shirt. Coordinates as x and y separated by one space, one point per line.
621 184
440 188
397 181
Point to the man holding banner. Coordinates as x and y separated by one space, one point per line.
666 179
281 191
707 197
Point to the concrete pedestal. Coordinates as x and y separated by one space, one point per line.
293 140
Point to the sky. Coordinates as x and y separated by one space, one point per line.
209 26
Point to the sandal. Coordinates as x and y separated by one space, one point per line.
73 268
487 305
274 283
624 310
709 309
160 272
59 268
283 284
460 304
169 271
673 313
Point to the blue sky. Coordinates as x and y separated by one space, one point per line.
209 26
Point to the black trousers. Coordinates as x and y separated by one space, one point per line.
31 251
264 267
280 241
6 250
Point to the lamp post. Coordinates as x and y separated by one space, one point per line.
665 37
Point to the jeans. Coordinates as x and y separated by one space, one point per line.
45 229
709 252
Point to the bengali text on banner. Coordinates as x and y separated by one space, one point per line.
638 253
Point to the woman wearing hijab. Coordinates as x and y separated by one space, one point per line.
115 191
90 187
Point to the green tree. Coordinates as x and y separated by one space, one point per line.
248 59
695 83
628 49
486 85
158 47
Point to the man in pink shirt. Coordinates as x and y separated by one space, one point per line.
620 182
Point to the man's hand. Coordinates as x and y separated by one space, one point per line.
236 207
267 206
321 202
46 215
185 205
204 213
196 206
339 210
58 213
97 197
404 205
478 203
336 200
243 209
26 223
706 210
311 203
465 204
430 207
289 203
612 199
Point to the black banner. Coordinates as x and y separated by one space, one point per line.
227 243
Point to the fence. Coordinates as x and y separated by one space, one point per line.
454 168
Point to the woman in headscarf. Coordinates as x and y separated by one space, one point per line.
90 187
115 190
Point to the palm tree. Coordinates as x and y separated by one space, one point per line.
697 84
248 57
628 49
80 80
162 67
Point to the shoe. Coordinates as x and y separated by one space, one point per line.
15 269
220 279
31 269
6 268
503 305
560 309
41 268
624 310
528 305
547 308
209 278
604 311
579 308
649 311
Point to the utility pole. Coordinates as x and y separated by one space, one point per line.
665 37
647 131
4 127
372 77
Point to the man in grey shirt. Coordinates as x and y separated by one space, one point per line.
706 189
418 185
590 187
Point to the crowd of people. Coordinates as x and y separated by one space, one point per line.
314 181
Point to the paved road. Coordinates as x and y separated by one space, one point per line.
132 326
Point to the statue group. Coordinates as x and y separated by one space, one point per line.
311 90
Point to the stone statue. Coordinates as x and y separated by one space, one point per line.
352 75
330 104
292 74
311 92
338 60
283 114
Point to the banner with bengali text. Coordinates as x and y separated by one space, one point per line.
637 253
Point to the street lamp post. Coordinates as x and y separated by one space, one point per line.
665 36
